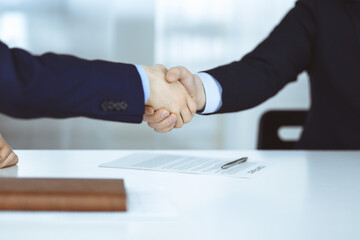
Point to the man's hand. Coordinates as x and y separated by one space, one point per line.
160 120
191 82
170 95
7 156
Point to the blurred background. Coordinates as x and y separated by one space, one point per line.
199 34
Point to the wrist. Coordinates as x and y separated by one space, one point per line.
148 73
200 97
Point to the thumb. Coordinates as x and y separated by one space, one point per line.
149 110
184 76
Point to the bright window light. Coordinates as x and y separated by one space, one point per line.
13 29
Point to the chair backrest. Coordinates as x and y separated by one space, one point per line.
272 121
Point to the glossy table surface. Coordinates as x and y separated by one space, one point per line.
299 195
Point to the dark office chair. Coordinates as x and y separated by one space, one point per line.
272 121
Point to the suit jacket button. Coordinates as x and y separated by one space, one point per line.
123 105
120 106
104 106
111 105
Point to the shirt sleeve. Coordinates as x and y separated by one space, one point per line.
213 92
145 81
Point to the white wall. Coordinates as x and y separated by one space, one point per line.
199 34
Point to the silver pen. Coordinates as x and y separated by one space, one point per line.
233 163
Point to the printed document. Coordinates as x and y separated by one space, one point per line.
186 164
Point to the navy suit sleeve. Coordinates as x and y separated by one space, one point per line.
275 62
61 86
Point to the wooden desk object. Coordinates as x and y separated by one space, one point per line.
62 194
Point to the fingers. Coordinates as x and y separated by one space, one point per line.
149 110
173 74
188 112
10 160
177 73
160 67
186 115
5 149
179 121
13 159
165 130
165 125
191 105
7 156
184 76
160 120
155 117
2 142
4 153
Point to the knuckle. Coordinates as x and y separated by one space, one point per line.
187 120
16 158
179 125
162 67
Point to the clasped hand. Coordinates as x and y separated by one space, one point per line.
7 155
175 96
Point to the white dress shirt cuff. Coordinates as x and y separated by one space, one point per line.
145 81
213 92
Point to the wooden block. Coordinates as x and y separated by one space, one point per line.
62 194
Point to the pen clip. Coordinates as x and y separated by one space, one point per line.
233 163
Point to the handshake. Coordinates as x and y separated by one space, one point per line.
175 96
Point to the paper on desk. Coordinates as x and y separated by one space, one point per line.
185 164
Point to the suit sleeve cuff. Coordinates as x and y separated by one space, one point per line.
144 80
213 91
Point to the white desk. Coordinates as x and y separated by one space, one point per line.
303 195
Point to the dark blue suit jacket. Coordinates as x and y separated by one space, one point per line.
61 86
323 38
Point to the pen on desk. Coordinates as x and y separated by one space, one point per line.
233 163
